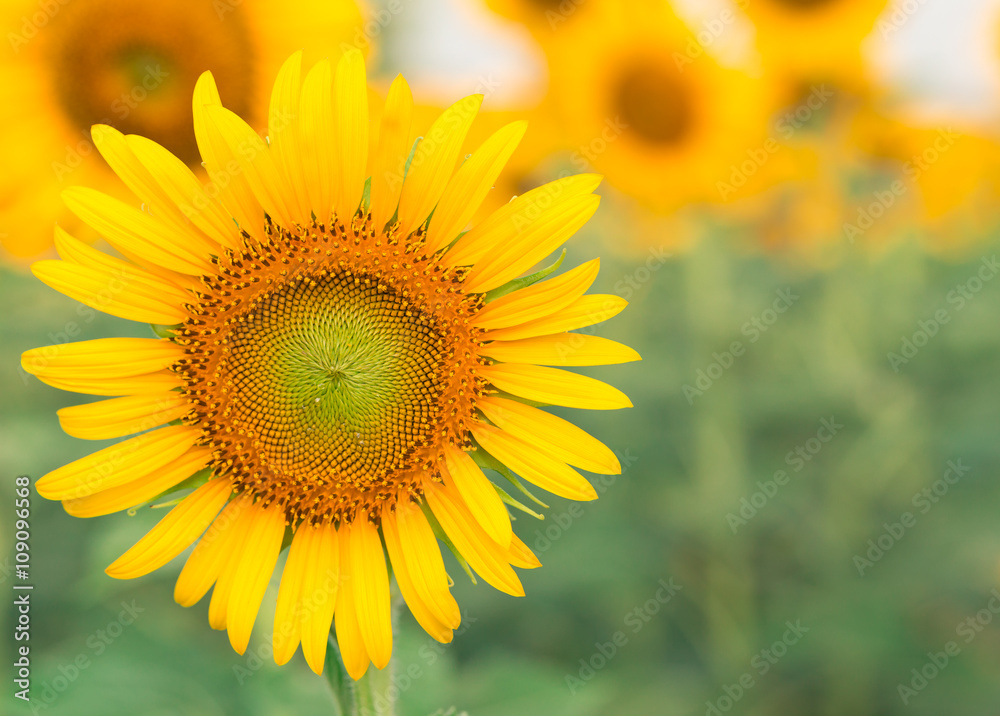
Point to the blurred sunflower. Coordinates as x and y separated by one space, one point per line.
343 359
542 18
952 173
810 41
654 112
133 66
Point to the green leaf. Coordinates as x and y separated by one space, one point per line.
366 196
515 504
196 480
524 281
164 331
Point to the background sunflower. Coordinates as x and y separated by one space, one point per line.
66 66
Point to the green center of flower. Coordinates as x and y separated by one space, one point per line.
334 375
327 367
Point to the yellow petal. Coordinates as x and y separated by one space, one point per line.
494 232
529 240
118 417
115 149
210 555
127 292
370 581
288 609
567 349
424 564
175 532
316 130
220 603
538 300
349 639
186 191
116 465
533 465
141 490
259 555
520 556
351 130
242 149
393 149
75 251
479 494
283 133
135 231
550 434
225 180
320 593
434 162
106 366
480 551
555 387
129 385
415 600
585 311
468 188
104 357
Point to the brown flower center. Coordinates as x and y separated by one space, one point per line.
329 366
655 104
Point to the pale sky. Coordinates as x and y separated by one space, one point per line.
946 53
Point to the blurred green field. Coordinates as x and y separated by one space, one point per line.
673 518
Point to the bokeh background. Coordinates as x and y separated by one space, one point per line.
801 205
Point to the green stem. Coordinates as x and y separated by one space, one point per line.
337 678
364 693
369 696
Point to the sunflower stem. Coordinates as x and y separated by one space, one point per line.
370 695
336 677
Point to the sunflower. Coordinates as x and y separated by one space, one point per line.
808 41
951 172
541 17
131 65
652 110
342 359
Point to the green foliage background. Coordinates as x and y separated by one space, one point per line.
689 463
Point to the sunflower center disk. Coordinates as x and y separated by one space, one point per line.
334 379
328 367
655 104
